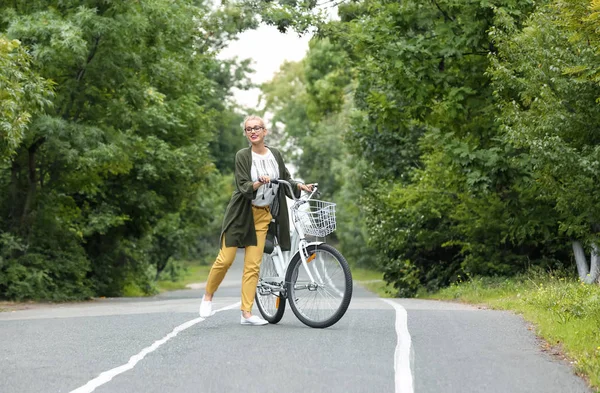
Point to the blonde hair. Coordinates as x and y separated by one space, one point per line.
252 117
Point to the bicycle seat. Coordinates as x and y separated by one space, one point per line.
269 244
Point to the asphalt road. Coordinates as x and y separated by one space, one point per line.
161 345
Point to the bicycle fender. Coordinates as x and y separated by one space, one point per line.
297 254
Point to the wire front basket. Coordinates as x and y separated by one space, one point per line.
316 218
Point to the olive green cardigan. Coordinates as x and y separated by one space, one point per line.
238 224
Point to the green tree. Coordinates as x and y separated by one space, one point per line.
544 76
444 193
22 95
104 178
442 190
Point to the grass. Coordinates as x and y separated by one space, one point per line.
565 312
190 272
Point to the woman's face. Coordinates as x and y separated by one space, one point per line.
255 131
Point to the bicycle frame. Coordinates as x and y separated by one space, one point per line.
281 259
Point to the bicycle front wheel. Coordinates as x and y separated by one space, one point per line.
269 300
324 301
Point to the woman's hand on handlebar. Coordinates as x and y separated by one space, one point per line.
306 187
261 180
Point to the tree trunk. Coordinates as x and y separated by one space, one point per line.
14 192
161 264
587 273
32 180
78 90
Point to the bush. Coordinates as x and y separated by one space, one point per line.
53 266
404 275
51 274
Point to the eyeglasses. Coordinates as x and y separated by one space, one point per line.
256 129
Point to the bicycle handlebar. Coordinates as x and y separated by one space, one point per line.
289 186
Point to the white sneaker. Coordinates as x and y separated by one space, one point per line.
205 308
253 320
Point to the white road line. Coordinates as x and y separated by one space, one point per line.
402 355
106 376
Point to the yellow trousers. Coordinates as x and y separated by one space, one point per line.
252 259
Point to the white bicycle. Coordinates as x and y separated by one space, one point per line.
313 276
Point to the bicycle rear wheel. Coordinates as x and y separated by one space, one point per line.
322 303
270 302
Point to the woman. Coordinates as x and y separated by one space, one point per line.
248 216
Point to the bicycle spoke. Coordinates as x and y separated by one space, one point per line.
321 300
268 294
